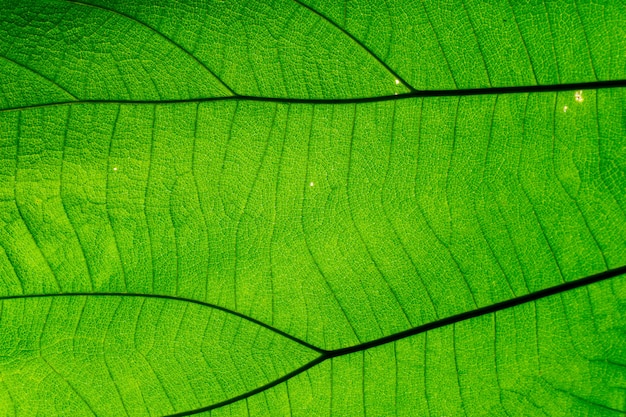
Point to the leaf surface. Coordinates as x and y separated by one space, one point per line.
131 355
312 208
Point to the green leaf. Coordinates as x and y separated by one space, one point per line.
115 355
312 208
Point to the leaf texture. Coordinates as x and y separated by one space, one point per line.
312 208
131 355
531 360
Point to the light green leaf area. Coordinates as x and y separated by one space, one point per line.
222 207
86 355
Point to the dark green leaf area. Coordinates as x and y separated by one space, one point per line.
472 43
53 51
56 51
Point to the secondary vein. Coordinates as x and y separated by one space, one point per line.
167 297
159 33
358 42
513 302
329 354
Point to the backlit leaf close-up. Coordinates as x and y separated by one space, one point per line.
312 208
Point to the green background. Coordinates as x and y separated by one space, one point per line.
202 202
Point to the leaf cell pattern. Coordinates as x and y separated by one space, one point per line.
312 208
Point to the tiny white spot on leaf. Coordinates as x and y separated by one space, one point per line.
397 82
114 168
579 96
312 184
565 109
